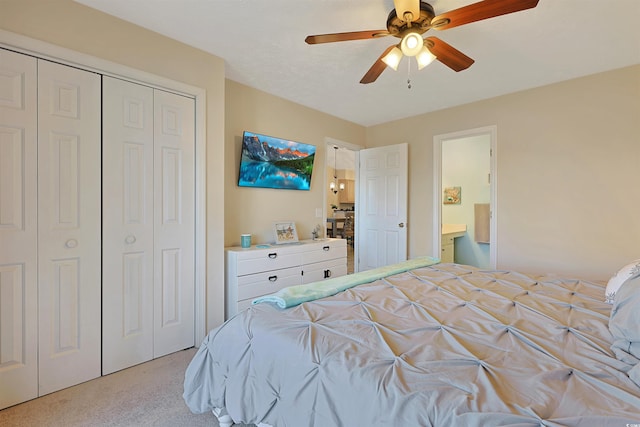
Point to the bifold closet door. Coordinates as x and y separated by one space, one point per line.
49 226
18 229
127 195
174 224
148 223
69 224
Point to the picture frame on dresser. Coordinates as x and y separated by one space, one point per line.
285 232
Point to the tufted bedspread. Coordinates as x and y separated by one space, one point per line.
446 345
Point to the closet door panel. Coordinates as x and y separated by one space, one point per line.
174 222
69 211
18 229
127 224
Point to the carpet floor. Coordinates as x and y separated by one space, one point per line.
149 394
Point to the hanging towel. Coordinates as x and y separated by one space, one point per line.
482 228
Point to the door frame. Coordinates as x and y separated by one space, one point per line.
438 140
37 48
329 143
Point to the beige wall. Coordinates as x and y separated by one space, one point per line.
73 26
568 170
253 210
568 154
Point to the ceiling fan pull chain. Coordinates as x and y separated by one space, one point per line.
409 74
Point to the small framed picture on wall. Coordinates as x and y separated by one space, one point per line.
452 196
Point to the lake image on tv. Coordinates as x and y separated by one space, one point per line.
269 162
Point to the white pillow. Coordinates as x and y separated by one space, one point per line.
629 271
623 325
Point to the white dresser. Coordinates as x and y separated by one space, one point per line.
256 271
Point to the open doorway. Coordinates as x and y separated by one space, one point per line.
464 197
341 169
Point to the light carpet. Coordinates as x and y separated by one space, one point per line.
149 394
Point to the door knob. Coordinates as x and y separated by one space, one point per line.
71 243
401 225
130 239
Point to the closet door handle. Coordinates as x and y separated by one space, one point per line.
273 278
71 243
130 239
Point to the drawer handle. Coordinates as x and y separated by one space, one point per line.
326 248
273 278
273 255
327 274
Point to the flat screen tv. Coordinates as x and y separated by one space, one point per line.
270 162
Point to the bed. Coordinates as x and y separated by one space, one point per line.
423 343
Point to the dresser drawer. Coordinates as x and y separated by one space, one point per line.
324 270
270 260
333 249
245 303
258 284
447 239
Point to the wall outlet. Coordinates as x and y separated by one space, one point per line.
318 212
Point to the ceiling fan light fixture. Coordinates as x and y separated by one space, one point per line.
409 19
392 59
411 44
424 58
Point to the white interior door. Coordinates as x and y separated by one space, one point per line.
127 220
69 114
174 225
18 229
382 206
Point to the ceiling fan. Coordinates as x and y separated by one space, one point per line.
410 19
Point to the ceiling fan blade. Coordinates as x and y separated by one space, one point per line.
407 6
448 55
341 37
478 11
376 69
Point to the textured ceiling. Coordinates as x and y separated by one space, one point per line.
262 43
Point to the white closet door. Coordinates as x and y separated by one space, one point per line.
127 289
18 229
69 208
174 222
148 223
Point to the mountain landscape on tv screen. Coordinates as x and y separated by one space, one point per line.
275 163
254 149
